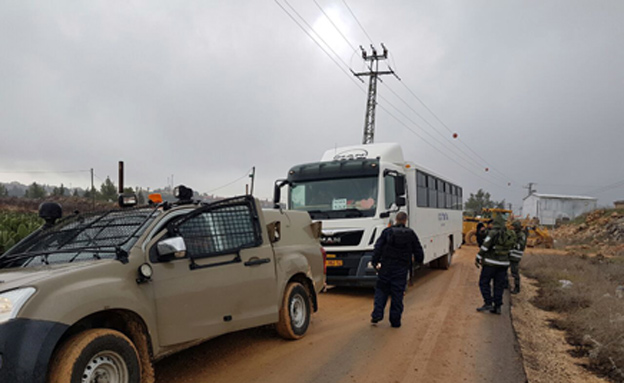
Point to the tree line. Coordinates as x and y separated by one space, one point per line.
106 192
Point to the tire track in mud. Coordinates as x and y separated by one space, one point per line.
442 340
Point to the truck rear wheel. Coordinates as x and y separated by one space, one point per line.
97 355
294 315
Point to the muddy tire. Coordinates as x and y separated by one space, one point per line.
471 238
294 315
93 355
445 262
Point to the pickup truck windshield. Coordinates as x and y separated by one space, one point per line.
336 198
80 237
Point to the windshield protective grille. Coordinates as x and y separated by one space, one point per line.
83 236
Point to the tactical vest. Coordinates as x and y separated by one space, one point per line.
496 248
398 249
515 255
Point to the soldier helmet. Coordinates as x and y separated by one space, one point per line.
517 226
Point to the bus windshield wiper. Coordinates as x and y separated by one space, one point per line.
352 212
318 213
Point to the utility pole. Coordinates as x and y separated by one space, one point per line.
371 103
253 178
530 187
92 190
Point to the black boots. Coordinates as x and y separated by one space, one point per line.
516 290
496 310
485 307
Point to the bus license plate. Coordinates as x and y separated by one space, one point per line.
334 262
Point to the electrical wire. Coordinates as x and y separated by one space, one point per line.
317 43
435 147
358 21
233 182
603 189
335 26
342 69
450 131
466 156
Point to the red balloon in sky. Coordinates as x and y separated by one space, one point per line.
487 169
454 135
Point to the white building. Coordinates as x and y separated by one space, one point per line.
550 207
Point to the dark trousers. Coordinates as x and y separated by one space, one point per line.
499 276
514 268
390 282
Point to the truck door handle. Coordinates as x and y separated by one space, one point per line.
257 261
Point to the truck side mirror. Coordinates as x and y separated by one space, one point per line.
400 201
277 192
172 246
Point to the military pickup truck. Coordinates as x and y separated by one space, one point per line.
98 297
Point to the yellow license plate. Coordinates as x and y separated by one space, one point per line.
334 262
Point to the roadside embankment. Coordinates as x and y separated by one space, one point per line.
578 291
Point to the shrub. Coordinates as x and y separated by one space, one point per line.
592 315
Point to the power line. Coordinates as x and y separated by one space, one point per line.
449 130
506 177
335 26
341 68
230 183
603 189
454 147
436 148
358 21
317 43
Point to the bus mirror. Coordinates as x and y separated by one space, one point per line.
400 201
399 186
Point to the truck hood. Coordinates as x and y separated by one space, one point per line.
21 277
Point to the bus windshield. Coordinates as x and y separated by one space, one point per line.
336 198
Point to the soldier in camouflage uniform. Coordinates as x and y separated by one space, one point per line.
493 257
515 255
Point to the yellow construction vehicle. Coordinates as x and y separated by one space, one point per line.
469 229
536 235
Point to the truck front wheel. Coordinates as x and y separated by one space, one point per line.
294 315
97 355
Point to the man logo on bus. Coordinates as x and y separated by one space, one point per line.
443 217
353 154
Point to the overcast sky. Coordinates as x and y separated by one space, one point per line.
204 90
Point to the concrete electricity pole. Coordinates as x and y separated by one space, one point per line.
373 74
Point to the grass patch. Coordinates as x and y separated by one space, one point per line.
592 315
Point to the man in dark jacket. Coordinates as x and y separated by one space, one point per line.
395 252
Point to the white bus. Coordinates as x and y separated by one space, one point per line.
356 192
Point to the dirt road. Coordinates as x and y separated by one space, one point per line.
443 339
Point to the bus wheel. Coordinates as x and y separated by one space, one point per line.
445 262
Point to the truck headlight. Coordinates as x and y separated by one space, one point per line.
12 301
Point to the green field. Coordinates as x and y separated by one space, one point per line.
16 225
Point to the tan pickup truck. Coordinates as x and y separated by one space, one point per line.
98 297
